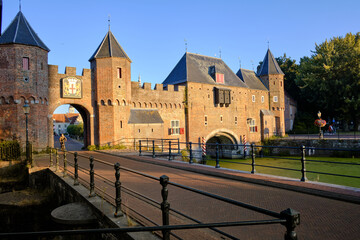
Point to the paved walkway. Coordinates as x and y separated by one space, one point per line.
321 217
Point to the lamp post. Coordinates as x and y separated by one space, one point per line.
320 133
26 108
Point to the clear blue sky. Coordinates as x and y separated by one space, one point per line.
152 32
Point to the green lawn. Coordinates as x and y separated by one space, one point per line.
352 170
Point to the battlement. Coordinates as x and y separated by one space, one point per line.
158 87
69 71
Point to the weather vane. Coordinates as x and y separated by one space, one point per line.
20 5
109 21
185 45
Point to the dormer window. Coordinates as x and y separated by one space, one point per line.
216 75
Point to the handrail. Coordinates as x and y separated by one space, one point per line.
290 218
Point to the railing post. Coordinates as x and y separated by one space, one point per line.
191 155
292 218
252 158
92 182
162 145
153 148
179 145
76 167
217 156
139 147
56 160
165 206
51 160
118 212
65 164
147 144
303 166
169 150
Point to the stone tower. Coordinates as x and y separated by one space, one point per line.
111 84
273 78
23 76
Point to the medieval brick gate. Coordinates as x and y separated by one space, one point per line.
68 88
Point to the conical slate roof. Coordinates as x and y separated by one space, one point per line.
109 47
269 65
19 31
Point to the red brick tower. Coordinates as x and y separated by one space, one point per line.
23 76
273 78
111 84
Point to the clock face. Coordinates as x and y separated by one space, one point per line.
71 87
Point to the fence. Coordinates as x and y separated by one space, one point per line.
9 150
289 218
217 152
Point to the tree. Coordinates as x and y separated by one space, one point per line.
330 78
76 130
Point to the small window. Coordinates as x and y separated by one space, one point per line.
139 130
175 127
221 118
253 98
206 121
262 99
253 127
275 99
41 66
235 120
280 83
120 124
119 72
26 63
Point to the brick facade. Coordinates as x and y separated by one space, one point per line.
108 95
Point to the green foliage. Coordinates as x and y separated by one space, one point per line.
304 123
185 155
91 147
76 130
10 150
105 147
330 78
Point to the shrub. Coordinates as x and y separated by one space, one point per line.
185 155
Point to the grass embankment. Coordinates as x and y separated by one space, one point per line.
333 168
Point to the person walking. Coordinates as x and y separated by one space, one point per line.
62 140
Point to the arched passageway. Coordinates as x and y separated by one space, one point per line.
76 116
226 143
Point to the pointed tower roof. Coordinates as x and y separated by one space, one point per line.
269 65
19 31
109 47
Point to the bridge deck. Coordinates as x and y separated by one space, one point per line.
321 217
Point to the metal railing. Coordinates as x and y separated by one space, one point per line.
9 150
289 218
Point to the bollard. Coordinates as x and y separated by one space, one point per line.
118 212
65 165
139 147
165 206
217 156
51 160
191 156
92 183
153 148
56 160
76 166
252 159
292 218
169 150
303 167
